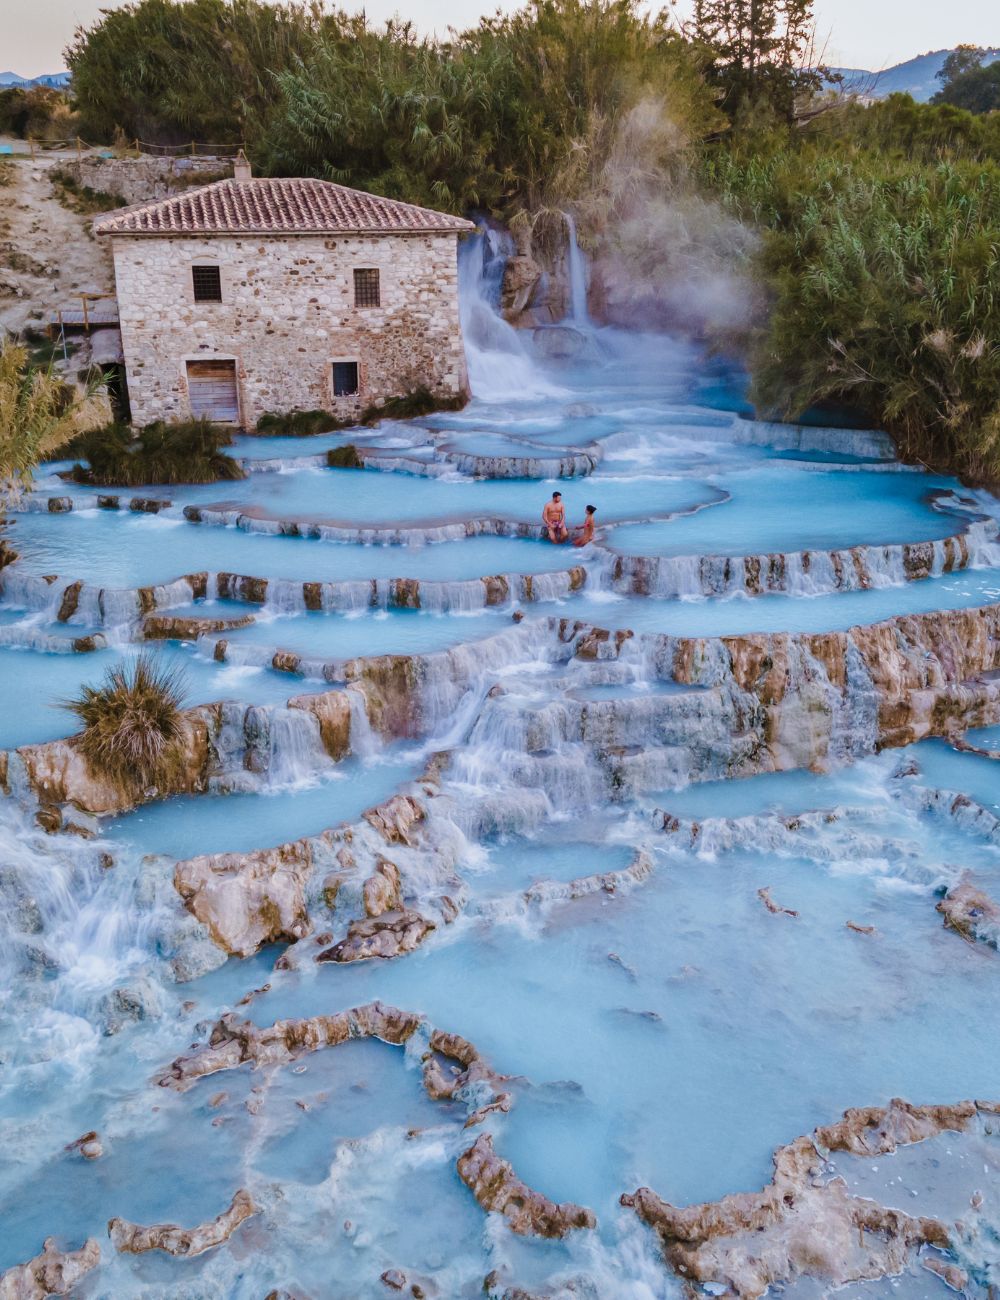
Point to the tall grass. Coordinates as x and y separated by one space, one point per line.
132 722
188 451
884 279
39 415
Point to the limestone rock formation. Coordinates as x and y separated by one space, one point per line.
249 899
134 1238
233 1043
390 934
608 882
59 774
521 277
381 891
971 913
332 710
53 1272
395 819
799 1225
495 1186
177 627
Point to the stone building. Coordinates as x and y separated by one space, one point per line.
254 295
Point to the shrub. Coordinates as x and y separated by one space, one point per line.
883 277
36 111
411 406
297 424
185 452
344 457
132 722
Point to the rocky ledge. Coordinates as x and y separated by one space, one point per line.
453 1068
134 1239
801 1225
53 1272
250 899
971 913
809 572
496 1187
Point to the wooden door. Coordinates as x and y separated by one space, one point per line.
212 390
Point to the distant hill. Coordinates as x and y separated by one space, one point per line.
916 77
55 79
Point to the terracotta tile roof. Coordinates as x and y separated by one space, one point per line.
276 207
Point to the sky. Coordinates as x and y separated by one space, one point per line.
856 33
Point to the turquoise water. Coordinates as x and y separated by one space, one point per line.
776 510
232 823
777 613
123 550
32 686
658 1026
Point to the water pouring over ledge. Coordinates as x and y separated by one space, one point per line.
661 1024
501 366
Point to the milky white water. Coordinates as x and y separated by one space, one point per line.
669 1034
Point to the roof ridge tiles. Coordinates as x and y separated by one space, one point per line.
285 205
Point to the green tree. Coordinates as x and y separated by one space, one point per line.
883 282
759 49
962 59
171 72
977 91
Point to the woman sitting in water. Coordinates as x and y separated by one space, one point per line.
586 529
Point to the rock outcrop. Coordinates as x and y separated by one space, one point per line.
53 1272
388 935
332 710
58 773
396 818
249 899
135 1239
971 913
801 1225
607 882
233 1043
177 627
496 1187
381 891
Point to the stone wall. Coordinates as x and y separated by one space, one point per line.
287 313
143 179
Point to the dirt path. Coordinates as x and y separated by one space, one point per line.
47 252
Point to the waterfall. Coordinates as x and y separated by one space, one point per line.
501 368
578 314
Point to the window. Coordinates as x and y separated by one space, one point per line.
366 289
345 378
207 283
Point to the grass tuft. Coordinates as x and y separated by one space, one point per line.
299 424
411 406
186 452
132 722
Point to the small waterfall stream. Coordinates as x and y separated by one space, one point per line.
501 366
576 263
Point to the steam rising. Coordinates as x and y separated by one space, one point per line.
663 256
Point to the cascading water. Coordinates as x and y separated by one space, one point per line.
578 316
591 785
501 367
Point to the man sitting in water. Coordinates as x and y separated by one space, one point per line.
554 518
586 529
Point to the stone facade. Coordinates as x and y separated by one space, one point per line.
287 314
137 180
